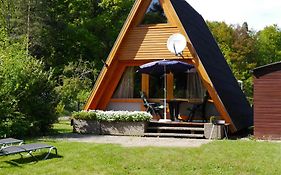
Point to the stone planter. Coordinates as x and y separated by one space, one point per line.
123 128
86 126
218 132
109 128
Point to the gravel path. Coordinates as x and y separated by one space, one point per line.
130 141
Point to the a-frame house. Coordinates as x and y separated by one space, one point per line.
139 43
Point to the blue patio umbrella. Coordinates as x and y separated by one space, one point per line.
163 67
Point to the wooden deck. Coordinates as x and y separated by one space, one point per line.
178 123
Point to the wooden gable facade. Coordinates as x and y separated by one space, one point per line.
140 43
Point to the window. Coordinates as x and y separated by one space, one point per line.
154 14
156 86
188 85
129 85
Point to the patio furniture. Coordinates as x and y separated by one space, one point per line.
152 108
27 148
163 67
174 107
9 141
222 124
199 107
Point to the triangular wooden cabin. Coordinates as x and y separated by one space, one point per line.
140 42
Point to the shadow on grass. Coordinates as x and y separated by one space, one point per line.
61 127
27 160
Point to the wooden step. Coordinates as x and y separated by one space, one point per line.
175 128
174 135
178 123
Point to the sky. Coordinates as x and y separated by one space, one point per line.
257 13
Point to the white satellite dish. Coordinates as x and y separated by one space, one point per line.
176 43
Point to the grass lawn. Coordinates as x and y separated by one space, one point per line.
218 157
63 126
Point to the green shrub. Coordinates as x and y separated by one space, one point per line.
110 116
27 95
84 115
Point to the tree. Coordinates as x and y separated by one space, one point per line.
223 34
24 18
243 59
80 32
82 29
62 32
76 85
268 45
238 46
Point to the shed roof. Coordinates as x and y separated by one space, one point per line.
215 64
266 69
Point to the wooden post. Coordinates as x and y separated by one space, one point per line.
170 83
145 84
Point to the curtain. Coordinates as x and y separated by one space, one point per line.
195 88
125 88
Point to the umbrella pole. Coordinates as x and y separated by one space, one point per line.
165 96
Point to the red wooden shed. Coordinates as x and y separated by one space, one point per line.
267 101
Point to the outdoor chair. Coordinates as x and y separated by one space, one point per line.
152 108
9 141
27 148
199 108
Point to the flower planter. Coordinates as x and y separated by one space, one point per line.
123 128
109 128
86 126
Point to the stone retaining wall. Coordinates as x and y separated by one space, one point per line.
86 126
109 128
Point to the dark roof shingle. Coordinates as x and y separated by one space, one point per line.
215 65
